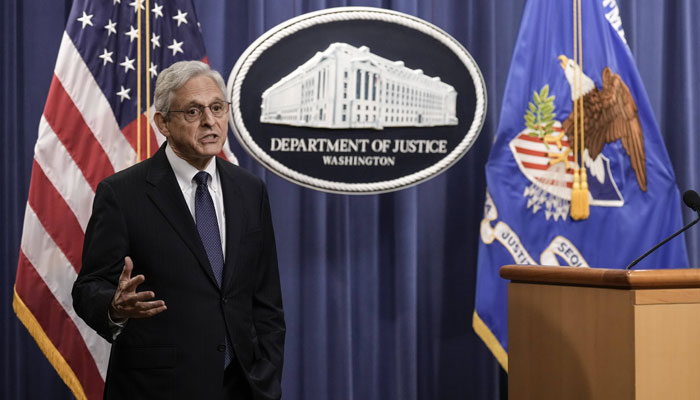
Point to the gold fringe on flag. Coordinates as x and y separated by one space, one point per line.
47 347
483 331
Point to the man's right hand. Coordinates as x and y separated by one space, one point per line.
127 303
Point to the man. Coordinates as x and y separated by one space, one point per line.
179 266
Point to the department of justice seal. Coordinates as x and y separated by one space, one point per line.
356 100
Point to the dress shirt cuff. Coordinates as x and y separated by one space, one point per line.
116 327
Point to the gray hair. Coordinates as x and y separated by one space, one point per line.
176 76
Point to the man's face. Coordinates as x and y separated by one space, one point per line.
198 141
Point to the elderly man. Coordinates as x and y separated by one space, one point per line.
179 262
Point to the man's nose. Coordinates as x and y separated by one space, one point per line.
207 117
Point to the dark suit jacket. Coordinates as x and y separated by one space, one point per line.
140 212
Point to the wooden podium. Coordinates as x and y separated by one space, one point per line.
589 333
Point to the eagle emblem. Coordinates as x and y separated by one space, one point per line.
610 114
544 149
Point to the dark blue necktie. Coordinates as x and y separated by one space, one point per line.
208 227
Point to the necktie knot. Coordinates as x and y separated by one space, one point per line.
201 178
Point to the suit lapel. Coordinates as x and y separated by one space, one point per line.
167 196
235 219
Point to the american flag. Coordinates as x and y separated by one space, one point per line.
87 132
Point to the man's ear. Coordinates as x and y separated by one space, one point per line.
161 124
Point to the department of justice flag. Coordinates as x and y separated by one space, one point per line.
88 131
532 169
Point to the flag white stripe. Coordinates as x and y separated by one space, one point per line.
65 175
58 274
533 159
88 98
536 173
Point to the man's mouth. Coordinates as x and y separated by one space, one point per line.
210 138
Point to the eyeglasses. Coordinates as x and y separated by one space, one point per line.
195 112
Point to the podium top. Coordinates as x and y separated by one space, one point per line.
603 277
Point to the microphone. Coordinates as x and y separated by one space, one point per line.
692 200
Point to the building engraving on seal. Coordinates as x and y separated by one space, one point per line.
348 87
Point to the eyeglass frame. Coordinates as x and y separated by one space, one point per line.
201 108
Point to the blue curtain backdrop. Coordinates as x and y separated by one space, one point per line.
378 290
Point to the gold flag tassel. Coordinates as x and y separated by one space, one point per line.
579 191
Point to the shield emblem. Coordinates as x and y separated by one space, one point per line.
548 164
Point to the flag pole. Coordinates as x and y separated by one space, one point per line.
576 187
148 79
584 206
579 208
138 83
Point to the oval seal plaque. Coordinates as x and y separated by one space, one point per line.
356 100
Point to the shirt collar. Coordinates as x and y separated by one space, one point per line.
185 172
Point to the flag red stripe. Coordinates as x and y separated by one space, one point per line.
523 150
554 182
56 217
537 139
70 127
535 166
58 326
131 134
541 167
530 152
544 167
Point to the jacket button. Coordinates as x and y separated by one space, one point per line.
224 300
221 348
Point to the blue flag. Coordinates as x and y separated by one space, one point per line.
634 201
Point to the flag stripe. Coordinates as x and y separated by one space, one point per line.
554 182
51 264
59 328
546 175
536 139
523 150
56 217
541 163
530 152
67 122
88 98
131 136
63 173
530 165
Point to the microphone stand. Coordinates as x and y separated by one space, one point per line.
640 258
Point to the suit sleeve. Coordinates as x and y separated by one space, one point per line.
267 299
104 249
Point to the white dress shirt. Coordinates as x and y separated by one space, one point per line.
184 172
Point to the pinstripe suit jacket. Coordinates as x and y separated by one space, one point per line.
140 212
